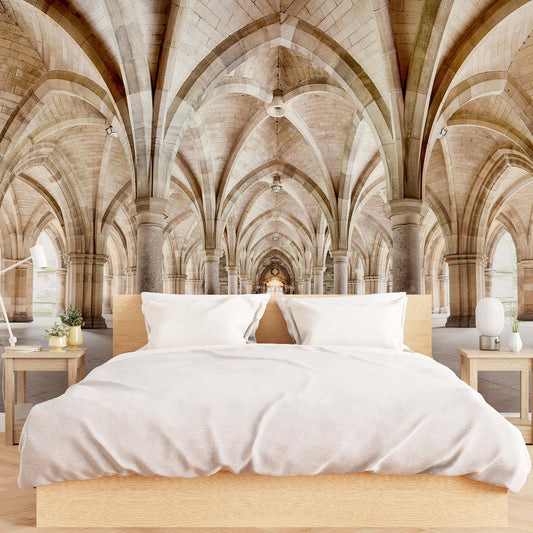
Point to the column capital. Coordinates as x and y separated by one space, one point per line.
318 270
80 258
525 263
150 211
459 259
232 270
407 211
339 256
212 254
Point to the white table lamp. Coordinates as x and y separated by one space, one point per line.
489 322
39 260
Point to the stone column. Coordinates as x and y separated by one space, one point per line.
121 283
307 284
340 271
318 280
181 283
249 286
352 286
443 294
150 220
405 216
233 280
131 280
61 290
242 284
23 295
431 287
467 286
300 286
85 286
108 294
371 284
489 276
525 289
211 271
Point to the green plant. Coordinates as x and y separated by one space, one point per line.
72 317
57 330
514 322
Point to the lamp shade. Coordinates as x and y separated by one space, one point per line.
38 257
489 317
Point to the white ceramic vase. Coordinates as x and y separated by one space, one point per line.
516 342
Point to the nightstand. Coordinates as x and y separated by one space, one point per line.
18 363
474 361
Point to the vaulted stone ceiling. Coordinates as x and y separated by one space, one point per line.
365 85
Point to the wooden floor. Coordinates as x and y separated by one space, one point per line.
17 509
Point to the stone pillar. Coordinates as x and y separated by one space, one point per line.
242 284
249 286
489 276
431 287
23 295
405 216
181 280
467 287
108 294
233 280
307 284
340 271
61 290
360 286
131 280
371 284
211 271
352 286
121 283
444 306
150 220
85 286
318 280
525 289
300 286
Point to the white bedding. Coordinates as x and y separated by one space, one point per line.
270 409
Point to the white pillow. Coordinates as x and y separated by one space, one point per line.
193 320
369 320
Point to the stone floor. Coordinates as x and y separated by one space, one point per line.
500 389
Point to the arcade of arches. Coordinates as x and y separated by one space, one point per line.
342 146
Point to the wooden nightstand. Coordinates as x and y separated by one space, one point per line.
473 361
71 360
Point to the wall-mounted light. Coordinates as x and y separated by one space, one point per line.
442 133
111 132
276 183
275 237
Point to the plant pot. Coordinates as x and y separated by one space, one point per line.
75 337
57 343
516 342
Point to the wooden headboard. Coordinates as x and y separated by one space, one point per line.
129 330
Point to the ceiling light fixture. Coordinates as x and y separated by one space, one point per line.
276 183
111 132
275 237
442 133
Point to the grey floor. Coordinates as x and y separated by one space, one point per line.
500 389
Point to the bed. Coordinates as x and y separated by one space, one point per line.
229 500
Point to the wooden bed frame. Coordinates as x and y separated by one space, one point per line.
228 500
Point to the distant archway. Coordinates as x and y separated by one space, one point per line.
47 281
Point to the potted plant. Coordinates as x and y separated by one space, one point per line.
74 319
57 336
516 341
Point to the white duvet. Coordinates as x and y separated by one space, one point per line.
270 409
